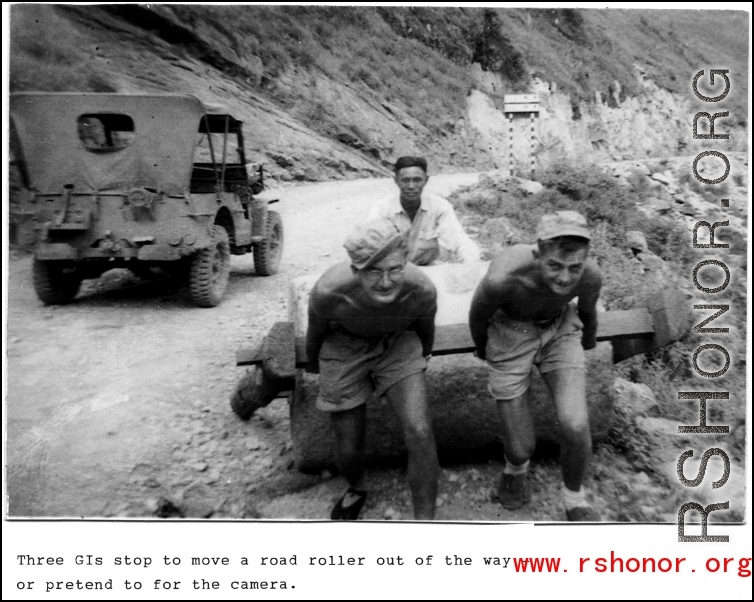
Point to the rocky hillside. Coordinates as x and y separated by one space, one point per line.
339 92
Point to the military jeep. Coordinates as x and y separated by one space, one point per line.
152 183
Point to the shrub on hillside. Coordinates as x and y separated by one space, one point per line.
665 237
587 190
595 194
711 194
493 51
622 274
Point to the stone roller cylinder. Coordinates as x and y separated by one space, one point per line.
464 414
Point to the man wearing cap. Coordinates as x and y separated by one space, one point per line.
371 330
522 316
435 234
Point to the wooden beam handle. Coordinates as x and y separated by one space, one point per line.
456 338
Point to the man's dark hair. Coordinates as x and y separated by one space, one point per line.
404 162
563 244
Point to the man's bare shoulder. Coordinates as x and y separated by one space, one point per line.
511 260
504 276
332 286
592 276
419 285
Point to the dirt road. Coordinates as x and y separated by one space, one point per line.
118 403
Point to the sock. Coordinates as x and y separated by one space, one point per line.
574 499
513 469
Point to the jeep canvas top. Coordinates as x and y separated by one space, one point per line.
139 181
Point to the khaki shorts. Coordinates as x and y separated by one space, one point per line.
514 347
354 369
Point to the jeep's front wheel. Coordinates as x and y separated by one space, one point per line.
55 282
210 270
267 254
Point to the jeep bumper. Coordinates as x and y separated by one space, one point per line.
53 251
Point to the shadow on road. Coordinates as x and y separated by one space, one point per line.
119 286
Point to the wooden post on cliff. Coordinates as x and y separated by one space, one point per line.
521 103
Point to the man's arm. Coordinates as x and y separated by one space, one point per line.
315 335
587 306
453 237
425 330
484 304
422 301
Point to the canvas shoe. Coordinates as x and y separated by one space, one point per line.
583 514
349 506
513 491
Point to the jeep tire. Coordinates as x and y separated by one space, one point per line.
55 282
210 270
267 254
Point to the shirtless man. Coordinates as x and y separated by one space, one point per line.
371 330
434 230
520 317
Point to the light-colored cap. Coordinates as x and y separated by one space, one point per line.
372 241
562 223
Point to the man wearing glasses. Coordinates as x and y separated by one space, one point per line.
371 330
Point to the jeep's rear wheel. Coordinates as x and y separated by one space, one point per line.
267 254
56 282
210 270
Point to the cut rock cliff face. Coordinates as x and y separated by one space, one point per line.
655 124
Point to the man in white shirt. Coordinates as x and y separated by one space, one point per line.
434 230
